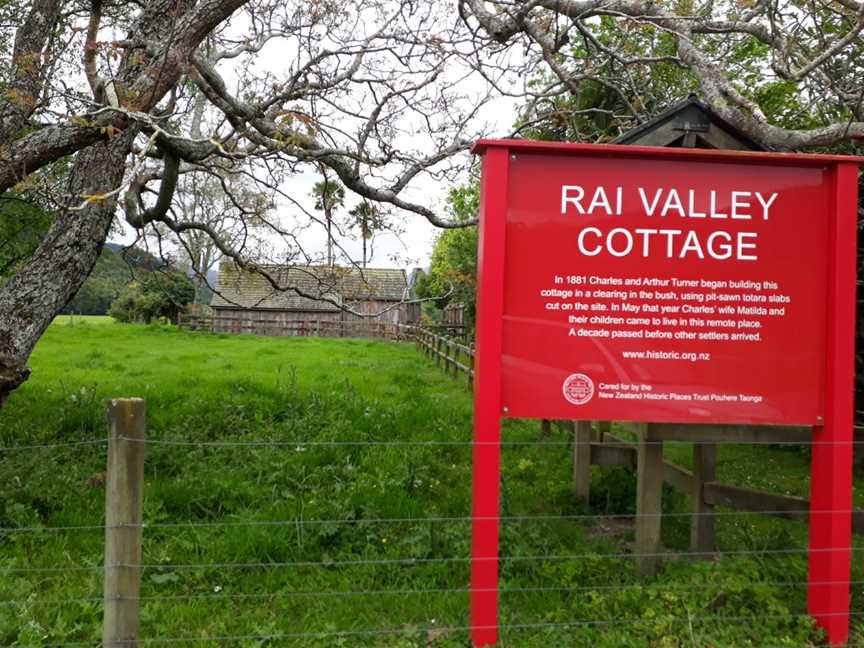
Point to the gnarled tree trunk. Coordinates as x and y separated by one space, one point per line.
30 300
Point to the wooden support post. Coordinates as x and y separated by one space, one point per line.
604 428
702 537
649 498
582 460
437 351
545 428
124 503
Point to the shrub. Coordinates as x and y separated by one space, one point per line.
158 295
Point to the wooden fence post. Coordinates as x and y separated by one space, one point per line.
455 349
124 503
704 470
604 428
649 498
582 460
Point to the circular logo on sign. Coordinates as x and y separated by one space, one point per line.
578 388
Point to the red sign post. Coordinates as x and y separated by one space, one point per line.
668 285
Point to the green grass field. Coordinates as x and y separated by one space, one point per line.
251 513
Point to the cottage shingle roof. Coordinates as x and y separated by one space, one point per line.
239 288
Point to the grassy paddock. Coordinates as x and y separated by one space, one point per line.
237 388
85 320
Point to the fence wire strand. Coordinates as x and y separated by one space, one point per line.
789 514
425 561
54 446
563 625
784 513
302 444
469 442
424 591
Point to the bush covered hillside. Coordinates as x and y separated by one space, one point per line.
292 498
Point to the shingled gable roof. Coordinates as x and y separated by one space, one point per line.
236 288
693 119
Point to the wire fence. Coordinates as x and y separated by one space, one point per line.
307 443
775 570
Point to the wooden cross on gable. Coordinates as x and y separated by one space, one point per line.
690 124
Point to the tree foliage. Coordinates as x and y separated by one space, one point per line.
110 276
595 110
329 196
787 73
453 265
368 218
23 224
158 295
117 267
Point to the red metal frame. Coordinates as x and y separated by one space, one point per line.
831 483
484 146
831 476
487 402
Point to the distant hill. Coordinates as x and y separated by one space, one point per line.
116 267
135 257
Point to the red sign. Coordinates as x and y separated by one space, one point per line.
668 285
665 290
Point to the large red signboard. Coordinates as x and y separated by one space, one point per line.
664 290
668 285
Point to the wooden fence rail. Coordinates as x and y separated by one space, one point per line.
456 358
277 327
604 449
